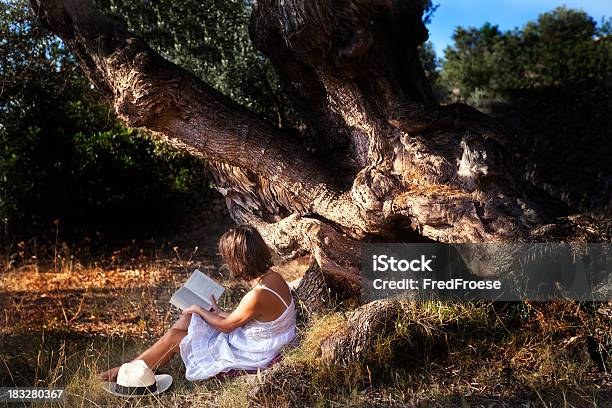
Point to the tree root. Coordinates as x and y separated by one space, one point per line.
368 323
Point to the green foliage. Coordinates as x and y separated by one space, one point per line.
561 47
429 9
63 155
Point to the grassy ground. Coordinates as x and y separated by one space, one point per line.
69 316
484 355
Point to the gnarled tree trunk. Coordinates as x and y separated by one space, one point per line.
378 151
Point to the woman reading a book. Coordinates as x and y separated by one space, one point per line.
250 337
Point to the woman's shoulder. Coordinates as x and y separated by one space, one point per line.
274 280
276 283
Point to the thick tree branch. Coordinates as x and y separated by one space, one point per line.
148 91
347 65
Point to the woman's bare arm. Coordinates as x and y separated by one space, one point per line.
245 311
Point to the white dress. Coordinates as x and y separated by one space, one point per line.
207 352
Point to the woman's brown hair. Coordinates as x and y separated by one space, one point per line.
245 252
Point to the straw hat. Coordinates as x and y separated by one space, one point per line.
136 379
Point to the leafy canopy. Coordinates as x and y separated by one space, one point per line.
562 46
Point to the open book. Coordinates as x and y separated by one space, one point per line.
197 291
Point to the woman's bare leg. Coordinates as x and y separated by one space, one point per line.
161 352
183 322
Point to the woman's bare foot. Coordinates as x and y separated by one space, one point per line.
110 375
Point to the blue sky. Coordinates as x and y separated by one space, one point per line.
508 14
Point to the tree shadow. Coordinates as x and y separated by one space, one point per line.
563 140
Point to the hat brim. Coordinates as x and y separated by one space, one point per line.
164 381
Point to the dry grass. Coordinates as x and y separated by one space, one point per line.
75 371
80 316
62 322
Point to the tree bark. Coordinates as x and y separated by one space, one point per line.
353 67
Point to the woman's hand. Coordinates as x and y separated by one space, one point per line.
215 307
211 317
194 309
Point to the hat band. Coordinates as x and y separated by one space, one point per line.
122 389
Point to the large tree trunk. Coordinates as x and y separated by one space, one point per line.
355 66
379 157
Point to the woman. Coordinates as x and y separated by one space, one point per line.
250 337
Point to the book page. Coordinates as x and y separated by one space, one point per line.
183 298
197 291
203 286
